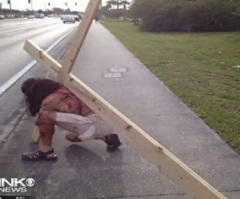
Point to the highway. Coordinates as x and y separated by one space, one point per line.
13 34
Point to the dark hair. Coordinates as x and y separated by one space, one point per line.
35 90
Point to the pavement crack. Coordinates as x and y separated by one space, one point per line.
233 190
8 129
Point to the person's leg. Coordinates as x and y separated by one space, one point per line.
92 127
45 149
72 137
46 135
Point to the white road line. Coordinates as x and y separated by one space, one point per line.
14 33
16 77
27 28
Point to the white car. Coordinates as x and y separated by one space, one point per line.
69 19
30 17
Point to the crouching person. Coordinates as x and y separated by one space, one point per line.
55 105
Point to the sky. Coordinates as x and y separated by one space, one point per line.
43 4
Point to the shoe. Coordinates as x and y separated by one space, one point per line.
112 142
40 156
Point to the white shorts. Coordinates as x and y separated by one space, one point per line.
88 128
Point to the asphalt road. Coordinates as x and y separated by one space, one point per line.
13 34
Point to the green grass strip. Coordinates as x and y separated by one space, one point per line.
197 67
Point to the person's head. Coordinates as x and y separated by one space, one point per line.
35 90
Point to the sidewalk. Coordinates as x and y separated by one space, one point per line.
88 171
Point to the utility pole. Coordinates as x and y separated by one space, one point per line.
30 2
67 8
0 8
47 6
10 6
31 6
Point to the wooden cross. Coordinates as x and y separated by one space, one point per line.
160 156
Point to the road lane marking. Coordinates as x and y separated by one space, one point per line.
16 77
14 33
25 29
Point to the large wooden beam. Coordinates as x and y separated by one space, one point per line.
78 39
160 156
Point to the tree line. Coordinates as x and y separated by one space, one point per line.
177 15
116 8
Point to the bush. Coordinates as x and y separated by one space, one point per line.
183 15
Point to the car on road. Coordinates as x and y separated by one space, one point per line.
76 18
2 17
30 17
39 16
68 19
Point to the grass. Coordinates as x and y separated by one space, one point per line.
197 67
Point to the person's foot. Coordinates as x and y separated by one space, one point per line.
40 156
72 137
112 142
